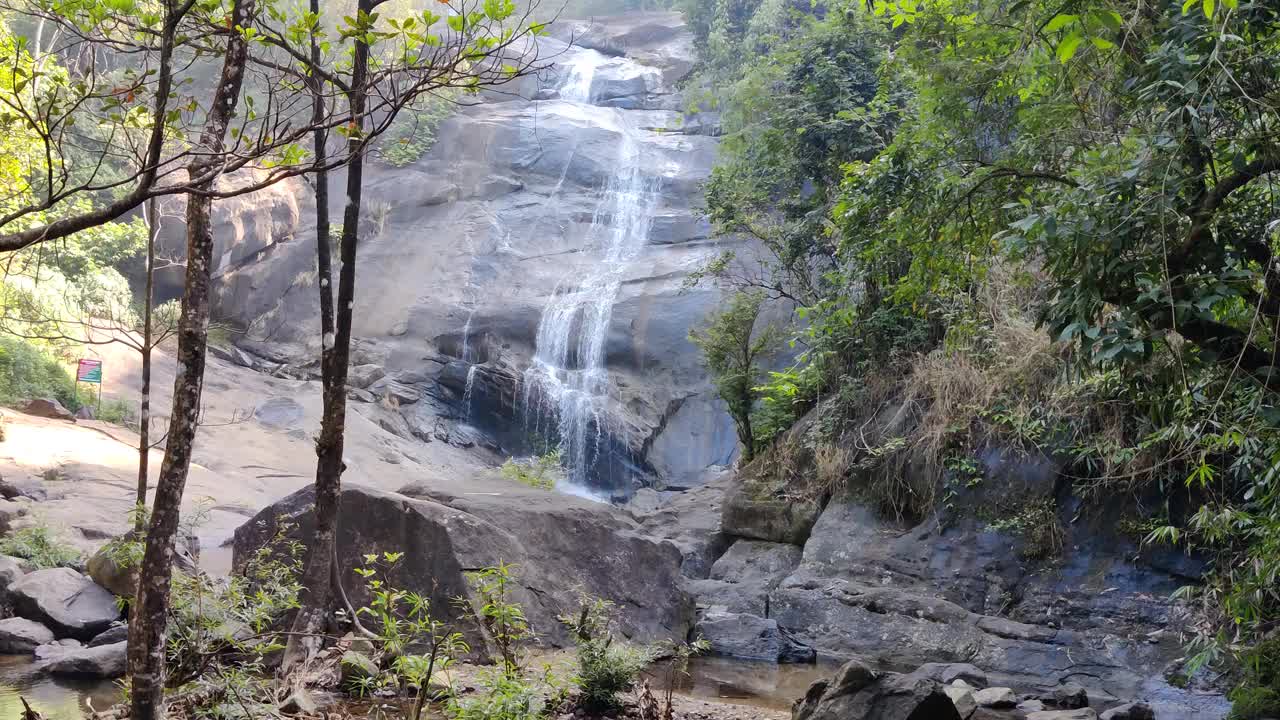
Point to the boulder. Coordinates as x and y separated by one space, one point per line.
68 603
362 376
103 566
356 666
547 536
48 408
10 511
996 697
10 572
757 562
962 697
299 702
1129 711
1077 714
56 649
114 634
103 661
858 691
752 638
1032 705
949 673
84 413
753 511
1070 695
20 636
23 487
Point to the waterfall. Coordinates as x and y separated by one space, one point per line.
466 337
567 383
466 392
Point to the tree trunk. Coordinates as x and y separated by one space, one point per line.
144 404
148 624
304 642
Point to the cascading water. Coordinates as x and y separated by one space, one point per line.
567 383
466 392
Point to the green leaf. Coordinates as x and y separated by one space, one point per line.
1209 7
1067 48
1187 5
1061 21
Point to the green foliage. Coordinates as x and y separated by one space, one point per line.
41 546
506 696
414 132
417 644
1258 694
733 349
605 668
26 372
540 473
502 619
1036 522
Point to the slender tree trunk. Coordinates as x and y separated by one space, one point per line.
144 405
150 617
304 642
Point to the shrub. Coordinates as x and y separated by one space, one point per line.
39 545
26 371
540 472
1258 694
506 696
605 668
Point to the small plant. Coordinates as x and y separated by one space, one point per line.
1037 523
403 622
39 545
500 618
506 696
540 472
605 668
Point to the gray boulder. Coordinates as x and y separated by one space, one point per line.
114 634
562 546
995 697
67 602
48 408
56 649
10 511
10 572
20 636
858 691
362 376
103 661
1078 714
962 697
23 487
1129 711
752 638
754 509
1070 695
105 570
757 561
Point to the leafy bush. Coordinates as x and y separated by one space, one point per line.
605 668
505 696
26 371
1258 694
540 472
39 545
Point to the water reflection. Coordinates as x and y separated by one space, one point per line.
55 699
760 684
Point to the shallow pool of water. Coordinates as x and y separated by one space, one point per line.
55 699
742 682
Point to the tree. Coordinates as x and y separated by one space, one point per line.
481 37
733 348
151 604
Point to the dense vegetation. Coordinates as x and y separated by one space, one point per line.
1046 226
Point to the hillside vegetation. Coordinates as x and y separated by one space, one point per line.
1043 226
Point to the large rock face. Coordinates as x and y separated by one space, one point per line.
561 546
464 250
954 589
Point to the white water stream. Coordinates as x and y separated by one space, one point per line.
567 383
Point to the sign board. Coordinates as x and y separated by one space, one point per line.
89 371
